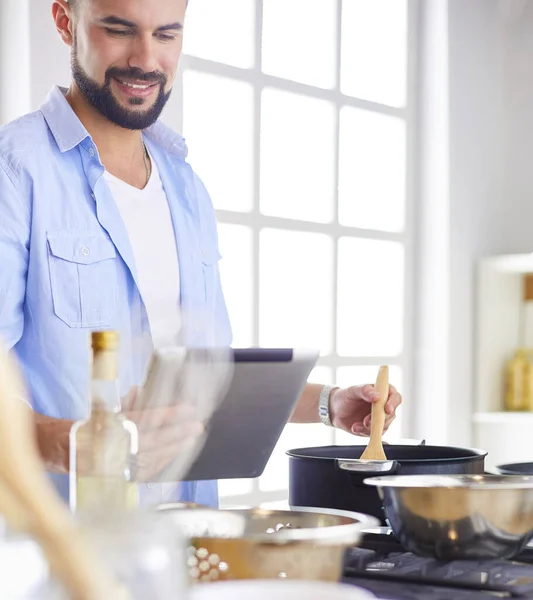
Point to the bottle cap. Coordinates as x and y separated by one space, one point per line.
105 340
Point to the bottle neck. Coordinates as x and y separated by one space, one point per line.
104 384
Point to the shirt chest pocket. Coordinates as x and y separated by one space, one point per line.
82 277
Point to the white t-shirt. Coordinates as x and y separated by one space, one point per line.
148 222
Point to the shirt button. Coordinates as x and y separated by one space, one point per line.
85 251
91 151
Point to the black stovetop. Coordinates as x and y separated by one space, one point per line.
382 566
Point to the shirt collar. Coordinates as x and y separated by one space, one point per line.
167 138
67 129
69 132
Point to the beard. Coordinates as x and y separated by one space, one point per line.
102 99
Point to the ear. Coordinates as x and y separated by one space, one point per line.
62 14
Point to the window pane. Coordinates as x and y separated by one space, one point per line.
374 50
392 435
358 375
295 435
297 149
218 126
371 170
363 374
370 298
221 31
299 40
296 288
236 272
321 375
234 487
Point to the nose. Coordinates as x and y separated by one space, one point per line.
143 54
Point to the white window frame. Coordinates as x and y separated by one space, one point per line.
257 221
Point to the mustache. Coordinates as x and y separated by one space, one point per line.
136 73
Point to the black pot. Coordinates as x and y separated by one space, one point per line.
332 476
521 468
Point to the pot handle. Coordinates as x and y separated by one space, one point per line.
367 467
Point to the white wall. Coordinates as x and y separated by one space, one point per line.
32 58
491 156
513 224
49 55
14 59
475 185
489 211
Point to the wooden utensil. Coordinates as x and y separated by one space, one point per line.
29 503
374 450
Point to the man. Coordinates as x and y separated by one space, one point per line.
103 224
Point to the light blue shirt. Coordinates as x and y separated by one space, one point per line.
67 266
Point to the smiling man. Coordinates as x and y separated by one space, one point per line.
103 224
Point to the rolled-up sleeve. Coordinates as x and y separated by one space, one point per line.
14 244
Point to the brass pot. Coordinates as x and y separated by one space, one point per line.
265 544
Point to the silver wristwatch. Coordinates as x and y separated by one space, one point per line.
323 405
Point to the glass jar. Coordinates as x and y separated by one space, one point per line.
144 552
24 572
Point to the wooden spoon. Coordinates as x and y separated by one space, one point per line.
374 450
29 502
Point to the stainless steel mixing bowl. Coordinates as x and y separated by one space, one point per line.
265 544
459 516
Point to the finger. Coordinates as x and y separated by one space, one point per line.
129 399
152 463
162 416
368 419
173 467
393 403
369 393
169 436
388 422
358 429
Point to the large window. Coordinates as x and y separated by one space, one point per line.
298 118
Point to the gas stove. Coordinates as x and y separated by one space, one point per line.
383 567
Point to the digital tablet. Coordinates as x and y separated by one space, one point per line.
262 394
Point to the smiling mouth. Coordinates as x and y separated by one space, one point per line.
136 86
